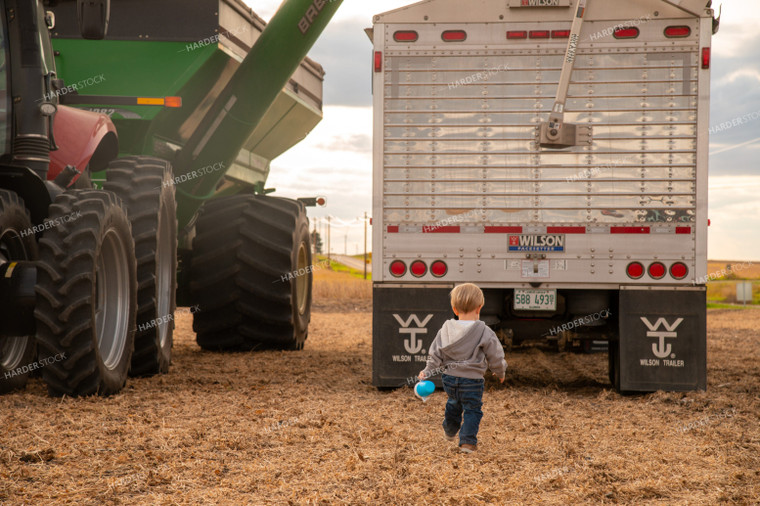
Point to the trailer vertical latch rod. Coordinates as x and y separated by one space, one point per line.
556 133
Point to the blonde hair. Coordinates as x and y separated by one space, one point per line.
467 297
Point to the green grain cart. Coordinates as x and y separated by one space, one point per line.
185 105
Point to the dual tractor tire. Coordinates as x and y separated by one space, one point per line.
106 281
86 294
16 243
251 274
145 185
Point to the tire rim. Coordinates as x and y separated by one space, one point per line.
112 293
12 348
302 282
164 274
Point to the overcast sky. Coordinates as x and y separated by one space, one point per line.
336 159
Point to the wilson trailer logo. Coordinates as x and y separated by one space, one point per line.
412 345
537 242
539 3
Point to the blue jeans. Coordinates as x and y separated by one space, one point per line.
465 395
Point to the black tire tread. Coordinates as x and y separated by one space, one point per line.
244 244
65 288
140 181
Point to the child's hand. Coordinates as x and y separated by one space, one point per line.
421 375
501 379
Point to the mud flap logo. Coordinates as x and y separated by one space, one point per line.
412 344
661 349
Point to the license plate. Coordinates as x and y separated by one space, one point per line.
535 300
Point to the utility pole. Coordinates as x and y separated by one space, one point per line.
365 244
329 265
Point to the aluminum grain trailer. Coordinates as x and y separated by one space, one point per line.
555 153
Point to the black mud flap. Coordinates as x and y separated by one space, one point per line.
404 323
663 341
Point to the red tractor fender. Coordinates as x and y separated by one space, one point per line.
84 138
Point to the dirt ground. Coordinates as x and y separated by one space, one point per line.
308 427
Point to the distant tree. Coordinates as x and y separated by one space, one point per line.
316 242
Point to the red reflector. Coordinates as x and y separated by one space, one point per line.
517 34
436 229
454 35
438 268
656 270
683 230
405 36
539 34
565 230
705 57
629 230
626 33
398 268
560 34
173 102
677 31
378 61
678 270
418 268
502 230
635 270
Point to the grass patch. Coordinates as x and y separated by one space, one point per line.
714 305
339 267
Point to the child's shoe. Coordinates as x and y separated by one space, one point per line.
465 448
449 438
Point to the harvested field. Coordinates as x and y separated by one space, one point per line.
307 427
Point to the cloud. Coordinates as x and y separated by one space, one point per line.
346 54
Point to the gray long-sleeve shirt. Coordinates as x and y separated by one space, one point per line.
465 350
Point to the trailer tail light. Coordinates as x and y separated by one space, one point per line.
418 268
454 35
657 270
705 57
517 34
675 32
560 34
378 61
539 34
398 268
626 33
405 36
635 270
439 268
678 270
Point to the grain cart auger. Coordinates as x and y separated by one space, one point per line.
202 105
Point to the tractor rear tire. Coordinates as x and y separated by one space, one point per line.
86 295
16 243
145 185
251 274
